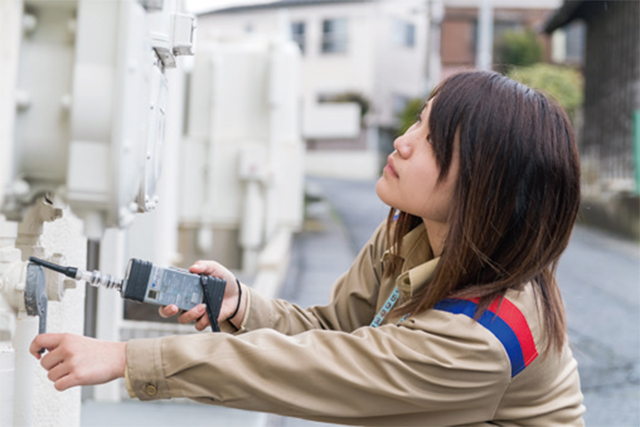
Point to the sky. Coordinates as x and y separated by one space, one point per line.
204 5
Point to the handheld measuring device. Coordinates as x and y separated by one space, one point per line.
145 282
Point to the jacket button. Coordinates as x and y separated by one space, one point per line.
150 389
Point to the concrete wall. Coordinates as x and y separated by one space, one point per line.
614 212
52 408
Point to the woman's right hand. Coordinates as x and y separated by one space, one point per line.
198 314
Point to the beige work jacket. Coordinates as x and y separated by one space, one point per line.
436 368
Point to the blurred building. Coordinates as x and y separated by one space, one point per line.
361 63
459 28
610 140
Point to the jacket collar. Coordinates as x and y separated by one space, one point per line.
418 265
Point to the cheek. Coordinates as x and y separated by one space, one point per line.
433 200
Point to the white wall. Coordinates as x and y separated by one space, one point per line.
400 70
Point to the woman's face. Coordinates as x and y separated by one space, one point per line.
409 181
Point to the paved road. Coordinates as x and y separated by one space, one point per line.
600 280
599 276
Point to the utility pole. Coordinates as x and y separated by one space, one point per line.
484 56
435 14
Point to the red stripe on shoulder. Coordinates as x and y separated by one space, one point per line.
513 317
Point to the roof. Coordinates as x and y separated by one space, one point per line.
575 9
278 4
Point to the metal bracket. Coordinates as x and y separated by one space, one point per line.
35 295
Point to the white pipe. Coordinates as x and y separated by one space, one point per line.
252 226
26 331
110 308
10 29
9 256
7 378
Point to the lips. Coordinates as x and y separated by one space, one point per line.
390 168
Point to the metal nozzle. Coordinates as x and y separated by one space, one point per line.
94 278
97 279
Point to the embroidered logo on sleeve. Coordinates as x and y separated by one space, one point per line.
509 326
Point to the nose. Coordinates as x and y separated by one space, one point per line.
402 146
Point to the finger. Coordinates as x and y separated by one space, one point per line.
192 315
65 382
168 310
41 341
202 323
210 268
58 371
52 359
197 267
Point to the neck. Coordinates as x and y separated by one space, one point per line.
437 233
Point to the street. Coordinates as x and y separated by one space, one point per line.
600 281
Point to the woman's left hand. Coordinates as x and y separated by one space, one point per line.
74 360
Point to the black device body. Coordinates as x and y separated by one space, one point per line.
145 282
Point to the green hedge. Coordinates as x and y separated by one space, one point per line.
562 83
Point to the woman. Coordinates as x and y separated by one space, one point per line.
450 314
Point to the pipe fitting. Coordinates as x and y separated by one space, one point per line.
12 284
56 283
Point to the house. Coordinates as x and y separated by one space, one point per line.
372 54
459 28
609 138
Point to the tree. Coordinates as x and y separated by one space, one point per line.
518 48
562 83
409 115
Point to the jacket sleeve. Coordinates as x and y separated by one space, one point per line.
352 301
438 374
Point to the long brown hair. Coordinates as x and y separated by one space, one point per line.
516 196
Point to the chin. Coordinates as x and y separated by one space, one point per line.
382 190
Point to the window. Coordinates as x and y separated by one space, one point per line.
404 33
334 35
297 34
576 35
502 27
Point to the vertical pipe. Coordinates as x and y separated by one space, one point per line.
10 32
26 331
7 376
110 305
636 146
434 64
252 226
8 256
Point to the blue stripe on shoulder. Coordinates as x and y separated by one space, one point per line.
498 327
